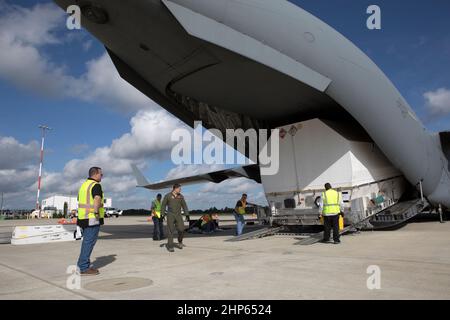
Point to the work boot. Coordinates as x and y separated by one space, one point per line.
90 272
337 241
170 249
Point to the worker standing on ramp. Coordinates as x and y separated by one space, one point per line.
174 201
330 208
239 212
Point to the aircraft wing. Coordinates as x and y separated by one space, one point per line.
248 171
212 31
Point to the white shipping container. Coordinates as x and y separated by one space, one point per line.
315 152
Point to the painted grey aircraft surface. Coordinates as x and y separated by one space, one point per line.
263 64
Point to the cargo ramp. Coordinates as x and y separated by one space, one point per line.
394 216
389 218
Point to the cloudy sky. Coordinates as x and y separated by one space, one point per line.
63 78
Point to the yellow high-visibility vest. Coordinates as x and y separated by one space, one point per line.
331 202
241 210
86 201
157 208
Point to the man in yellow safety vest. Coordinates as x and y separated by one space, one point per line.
158 227
90 216
239 212
330 208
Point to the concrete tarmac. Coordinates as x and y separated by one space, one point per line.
414 263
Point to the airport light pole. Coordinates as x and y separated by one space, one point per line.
43 129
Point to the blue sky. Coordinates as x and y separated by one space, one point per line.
413 49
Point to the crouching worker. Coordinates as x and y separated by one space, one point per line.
158 226
172 205
208 224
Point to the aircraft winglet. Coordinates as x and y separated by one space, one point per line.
140 179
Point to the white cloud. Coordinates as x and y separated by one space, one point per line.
18 170
138 146
20 183
14 154
33 26
17 180
233 189
24 32
226 194
101 157
438 102
149 137
143 143
102 83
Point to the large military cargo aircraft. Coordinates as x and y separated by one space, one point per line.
266 64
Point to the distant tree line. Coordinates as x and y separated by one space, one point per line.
213 210
143 212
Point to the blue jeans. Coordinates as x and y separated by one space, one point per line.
90 235
158 228
240 223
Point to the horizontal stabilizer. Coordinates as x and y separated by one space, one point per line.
249 171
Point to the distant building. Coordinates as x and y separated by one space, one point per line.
58 202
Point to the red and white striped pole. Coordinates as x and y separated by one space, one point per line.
44 128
